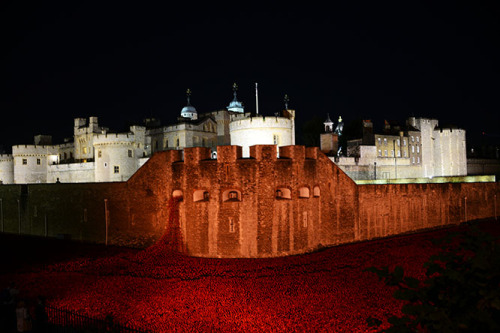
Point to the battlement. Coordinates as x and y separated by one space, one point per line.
5 157
260 121
34 150
229 154
114 138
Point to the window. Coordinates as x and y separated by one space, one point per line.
201 195
412 138
116 169
385 152
283 193
418 160
385 141
231 225
84 150
399 142
304 192
275 139
418 139
413 160
404 142
130 153
99 154
379 141
379 152
25 161
316 191
166 144
177 143
231 195
398 153
406 153
418 149
37 161
412 149
304 220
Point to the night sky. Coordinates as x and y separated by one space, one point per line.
125 61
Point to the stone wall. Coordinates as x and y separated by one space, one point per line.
262 206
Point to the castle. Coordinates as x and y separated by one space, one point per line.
421 149
96 155
240 185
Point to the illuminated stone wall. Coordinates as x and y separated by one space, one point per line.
262 206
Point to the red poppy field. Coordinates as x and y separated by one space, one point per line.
159 291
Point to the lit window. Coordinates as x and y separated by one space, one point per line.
404 142
116 169
385 141
418 149
385 151
84 150
413 160
379 141
399 142
399 153
379 152
412 149
412 138
418 159
418 139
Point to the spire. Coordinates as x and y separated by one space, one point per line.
328 124
235 105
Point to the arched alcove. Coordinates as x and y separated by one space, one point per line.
177 194
304 192
316 191
231 195
201 195
283 193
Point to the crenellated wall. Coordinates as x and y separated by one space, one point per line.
261 206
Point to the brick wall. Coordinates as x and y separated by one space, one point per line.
230 206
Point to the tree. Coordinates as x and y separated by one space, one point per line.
461 292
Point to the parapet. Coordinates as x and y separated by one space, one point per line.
293 152
228 153
312 153
196 154
261 152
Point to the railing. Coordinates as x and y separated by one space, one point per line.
65 321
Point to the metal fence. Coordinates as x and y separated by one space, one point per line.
66 321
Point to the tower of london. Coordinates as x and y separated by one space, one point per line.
97 155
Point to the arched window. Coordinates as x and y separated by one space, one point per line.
201 195
231 195
283 193
304 192
316 191
177 194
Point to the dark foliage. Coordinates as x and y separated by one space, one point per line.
461 291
